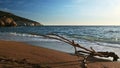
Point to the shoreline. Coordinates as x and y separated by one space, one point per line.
47 57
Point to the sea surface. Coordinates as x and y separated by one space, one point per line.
101 38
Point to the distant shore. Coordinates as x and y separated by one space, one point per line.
17 54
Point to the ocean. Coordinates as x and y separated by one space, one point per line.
101 38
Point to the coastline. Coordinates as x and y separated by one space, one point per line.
47 58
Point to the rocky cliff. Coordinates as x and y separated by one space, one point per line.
9 19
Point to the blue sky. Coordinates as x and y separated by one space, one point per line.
66 12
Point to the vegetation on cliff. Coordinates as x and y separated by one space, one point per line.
9 19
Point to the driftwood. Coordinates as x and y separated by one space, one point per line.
89 52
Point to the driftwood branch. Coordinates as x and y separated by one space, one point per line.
89 52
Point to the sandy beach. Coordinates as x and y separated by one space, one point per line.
21 55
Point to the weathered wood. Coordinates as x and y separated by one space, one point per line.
90 51
83 50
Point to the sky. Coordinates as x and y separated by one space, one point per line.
66 12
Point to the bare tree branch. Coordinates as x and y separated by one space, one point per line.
89 52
